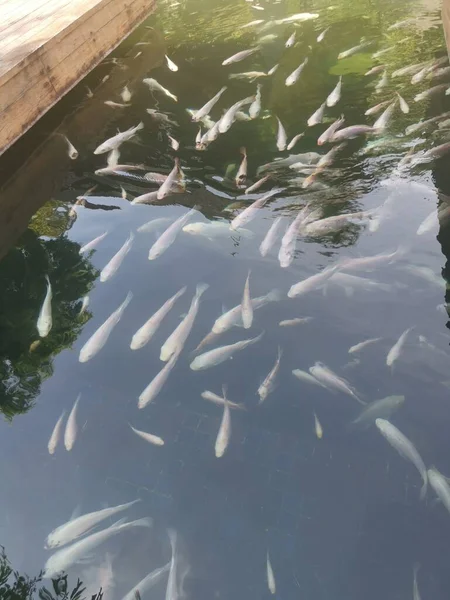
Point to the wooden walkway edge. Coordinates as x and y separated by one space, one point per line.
46 50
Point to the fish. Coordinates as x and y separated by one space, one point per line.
206 108
404 23
332 381
281 136
291 40
427 274
382 122
148 198
293 77
241 175
268 385
322 35
354 50
250 75
383 408
301 17
295 321
270 237
350 132
112 159
317 116
249 213
77 527
172 592
257 184
255 106
70 433
71 150
124 193
153 225
439 73
335 95
351 282
376 70
233 317
437 151
373 110
229 117
396 349
240 56
155 177
384 80
99 338
174 179
218 355
172 66
294 140
167 238
246 305
330 131
113 265
157 87
361 345
382 52
273 69
416 592
174 344
148 437
214 229
430 92
311 283
288 243
318 427
224 433
62 559
84 305
420 75
146 583
307 377
145 333
45 321
116 169
333 224
221 400
56 434
270 576
117 140
430 222
252 23
410 69
368 263
113 104
175 145
405 448
157 383
125 94
440 485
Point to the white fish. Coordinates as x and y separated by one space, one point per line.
373 110
318 427
354 50
281 136
376 70
148 437
405 448
56 434
335 223
270 576
75 528
206 109
288 243
219 355
72 151
440 485
330 131
383 120
295 321
249 213
112 160
332 381
294 140
358 347
176 340
172 66
268 384
382 52
214 229
174 178
246 305
153 225
429 223
172 592
311 283
379 409
124 193
198 139
300 17
317 116
144 334
99 338
403 104
273 69
233 317
114 142
420 75
252 23
240 56
84 305
71 431
157 87
335 95
270 237
148 198
157 383
322 35
368 263
229 117
113 104
255 106
291 40
223 436
384 80
174 143
146 583
220 400
167 238
293 77
113 265
125 94
352 282
45 321
64 558
257 184
396 349
307 377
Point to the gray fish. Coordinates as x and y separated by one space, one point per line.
219 355
306 377
378 409
410 69
405 448
431 92
240 56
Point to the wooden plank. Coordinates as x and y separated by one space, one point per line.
80 37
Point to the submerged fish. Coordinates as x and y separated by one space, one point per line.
270 576
382 122
233 317
291 40
354 50
306 377
214 229
223 436
153 225
373 110
384 80
318 427
71 150
249 213
300 17
148 437
378 409
206 109
362 345
157 383
293 77
99 338
56 434
335 95
71 431
405 448
240 56
241 175
114 142
157 87
172 66
255 106
218 355
294 141
229 117
332 381
113 265
270 237
430 92
440 485
268 384
330 131
281 136
45 321
317 116
376 70
167 238
348 133
311 283
220 400
257 184
146 583
295 321
397 348
322 35
125 94
246 305
403 104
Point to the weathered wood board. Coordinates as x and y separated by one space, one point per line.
47 46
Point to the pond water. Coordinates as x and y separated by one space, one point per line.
333 503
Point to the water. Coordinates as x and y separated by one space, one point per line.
341 515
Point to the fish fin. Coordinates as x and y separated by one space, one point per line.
75 513
224 309
423 490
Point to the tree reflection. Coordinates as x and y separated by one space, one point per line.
25 360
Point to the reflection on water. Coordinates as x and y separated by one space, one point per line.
256 454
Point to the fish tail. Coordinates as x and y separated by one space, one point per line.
201 289
423 489
139 126
243 151
144 522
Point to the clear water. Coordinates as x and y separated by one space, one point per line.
341 515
